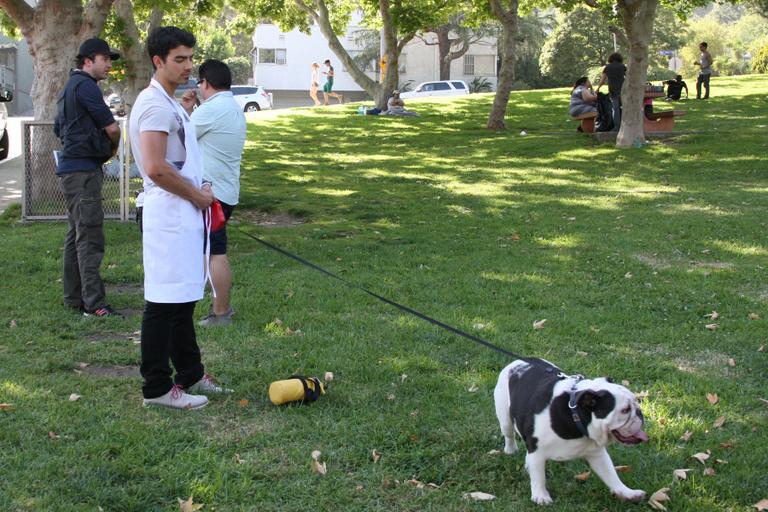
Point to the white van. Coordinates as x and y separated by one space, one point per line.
437 88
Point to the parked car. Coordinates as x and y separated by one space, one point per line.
252 98
115 104
6 95
437 88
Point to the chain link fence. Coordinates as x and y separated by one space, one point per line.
42 198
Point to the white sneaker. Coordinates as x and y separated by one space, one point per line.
176 398
207 385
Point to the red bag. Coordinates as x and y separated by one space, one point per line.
217 216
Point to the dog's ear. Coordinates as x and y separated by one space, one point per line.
600 402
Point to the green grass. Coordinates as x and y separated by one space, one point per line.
624 252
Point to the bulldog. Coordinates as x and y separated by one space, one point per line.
563 417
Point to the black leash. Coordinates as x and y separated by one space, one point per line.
383 299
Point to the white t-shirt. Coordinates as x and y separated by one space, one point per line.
153 112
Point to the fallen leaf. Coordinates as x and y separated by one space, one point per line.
761 505
478 496
83 366
763 400
681 474
391 396
623 469
238 459
539 324
583 476
761 348
625 383
628 275
243 402
582 353
719 422
594 328
478 326
375 455
74 397
712 398
6 407
12 324
413 438
701 457
53 435
687 436
359 488
709 472
319 467
714 315
328 376
414 413
642 395
658 497
189 505
494 452
727 445
721 461
711 327
473 389
417 484
754 316
403 377
731 361
316 454
662 421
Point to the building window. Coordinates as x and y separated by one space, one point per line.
479 65
469 65
272 56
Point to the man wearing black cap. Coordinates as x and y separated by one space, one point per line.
90 136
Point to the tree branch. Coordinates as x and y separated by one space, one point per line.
94 17
20 12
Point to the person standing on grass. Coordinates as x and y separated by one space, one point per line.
314 83
613 74
705 71
90 136
328 87
220 128
165 148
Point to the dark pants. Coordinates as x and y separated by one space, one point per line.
702 80
168 332
616 111
84 243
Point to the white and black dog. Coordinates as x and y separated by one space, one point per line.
563 417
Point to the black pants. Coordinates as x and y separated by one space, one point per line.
84 243
168 333
702 80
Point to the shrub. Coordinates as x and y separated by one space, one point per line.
480 84
241 69
760 60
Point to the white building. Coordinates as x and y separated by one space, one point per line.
282 62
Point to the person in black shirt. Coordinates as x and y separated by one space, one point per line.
89 136
675 89
613 75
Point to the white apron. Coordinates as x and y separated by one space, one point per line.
174 231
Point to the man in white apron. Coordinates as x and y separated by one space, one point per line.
165 149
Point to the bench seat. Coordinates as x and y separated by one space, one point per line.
587 121
662 121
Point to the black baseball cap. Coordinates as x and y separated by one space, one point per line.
96 46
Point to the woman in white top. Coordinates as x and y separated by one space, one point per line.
315 84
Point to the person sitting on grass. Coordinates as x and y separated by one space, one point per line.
675 89
396 106
583 99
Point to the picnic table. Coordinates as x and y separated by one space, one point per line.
658 121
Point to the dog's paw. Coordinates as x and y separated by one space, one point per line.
542 498
510 449
630 495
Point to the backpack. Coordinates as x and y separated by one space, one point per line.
604 119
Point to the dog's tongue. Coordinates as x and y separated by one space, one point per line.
641 436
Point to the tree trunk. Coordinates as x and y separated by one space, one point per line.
138 68
508 19
637 16
444 50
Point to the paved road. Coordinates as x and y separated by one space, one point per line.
11 169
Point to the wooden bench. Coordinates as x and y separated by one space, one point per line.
587 121
662 121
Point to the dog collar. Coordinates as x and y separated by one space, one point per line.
573 405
